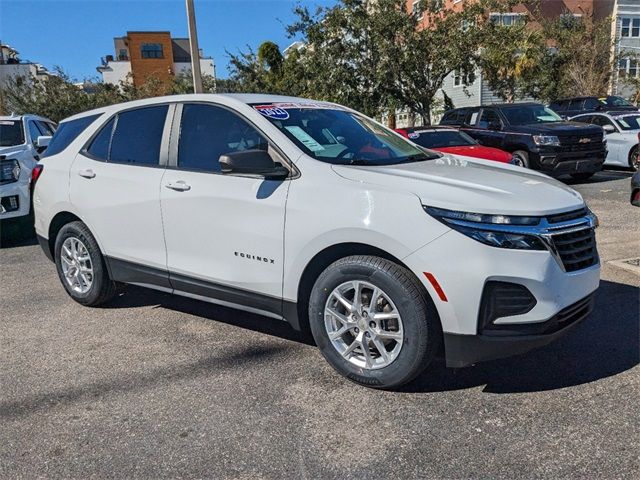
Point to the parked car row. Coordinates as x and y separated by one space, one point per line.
22 140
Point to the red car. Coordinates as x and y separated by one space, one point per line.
450 140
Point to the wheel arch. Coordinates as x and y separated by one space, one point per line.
321 260
61 219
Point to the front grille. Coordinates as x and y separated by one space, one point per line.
576 249
580 143
566 216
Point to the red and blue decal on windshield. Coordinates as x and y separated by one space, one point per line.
271 111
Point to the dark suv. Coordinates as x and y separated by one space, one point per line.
536 136
570 107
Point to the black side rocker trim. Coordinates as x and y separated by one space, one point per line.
130 272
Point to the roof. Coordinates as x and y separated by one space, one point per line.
428 127
225 98
25 116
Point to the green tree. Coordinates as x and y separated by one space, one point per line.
581 57
511 59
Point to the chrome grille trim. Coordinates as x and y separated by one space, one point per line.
552 233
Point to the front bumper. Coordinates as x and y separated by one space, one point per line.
463 267
554 161
465 350
12 194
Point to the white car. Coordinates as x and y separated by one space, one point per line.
22 140
623 132
312 213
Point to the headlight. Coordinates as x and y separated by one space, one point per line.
546 140
490 228
9 171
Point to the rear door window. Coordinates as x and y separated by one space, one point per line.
576 104
101 144
67 132
137 136
583 119
591 104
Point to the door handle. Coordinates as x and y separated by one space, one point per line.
88 173
179 186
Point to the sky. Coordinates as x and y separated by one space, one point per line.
75 34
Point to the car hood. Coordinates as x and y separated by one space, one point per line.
13 150
557 128
466 184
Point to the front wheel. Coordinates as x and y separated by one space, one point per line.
373 322
634 158
521 158
81 267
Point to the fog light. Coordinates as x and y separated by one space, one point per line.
548 160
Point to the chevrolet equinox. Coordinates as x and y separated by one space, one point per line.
312 213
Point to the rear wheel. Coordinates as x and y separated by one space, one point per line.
521 158
372 321
81 267
582 176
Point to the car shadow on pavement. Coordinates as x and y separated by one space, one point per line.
605 344
17 233
600 177
135 297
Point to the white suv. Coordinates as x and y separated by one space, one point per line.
22 139
310 212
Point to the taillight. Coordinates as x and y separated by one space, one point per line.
35 174
404 133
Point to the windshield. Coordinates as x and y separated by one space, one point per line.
530 114
327 133
614 101
628 122
440 138
11 133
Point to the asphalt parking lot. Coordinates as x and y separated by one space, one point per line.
160 386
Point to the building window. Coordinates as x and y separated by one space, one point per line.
151 50
416 10
459 79
507 19
630 27
123 54
628 67
570 20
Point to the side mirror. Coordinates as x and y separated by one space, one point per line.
252 162
495 126
43 141
609 129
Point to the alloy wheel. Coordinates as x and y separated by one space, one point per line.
76 265
363 325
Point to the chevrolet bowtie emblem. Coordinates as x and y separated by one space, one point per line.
584 140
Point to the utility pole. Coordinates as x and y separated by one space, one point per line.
195 51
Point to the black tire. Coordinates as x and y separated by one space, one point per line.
422 333
522 158
634 158
582 176
102 288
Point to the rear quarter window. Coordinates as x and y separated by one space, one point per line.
137 136
67 132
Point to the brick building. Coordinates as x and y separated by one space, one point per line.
144 55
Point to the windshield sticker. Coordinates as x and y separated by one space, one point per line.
271 111
414 135
7 122
306 139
